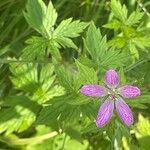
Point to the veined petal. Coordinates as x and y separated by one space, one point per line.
93 90
105 113
124 112
129 91
112 78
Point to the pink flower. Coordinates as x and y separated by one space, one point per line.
114 99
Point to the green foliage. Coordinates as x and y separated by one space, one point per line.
143 126
140 102
67 110
134 18
120 12
38 46
86 74
40 17
96 49
24 76
40 85
99 51
17 114
44 63
57 144
43 18
72 106
66 30
143 132
73 83
130 33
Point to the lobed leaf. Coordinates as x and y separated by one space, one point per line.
41 86
134 18
40 17
119 11
17 114
94 43
35 49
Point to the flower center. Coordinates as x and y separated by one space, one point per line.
113 93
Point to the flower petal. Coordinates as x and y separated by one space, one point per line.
129 91
124 112
105 113
93 90
112 78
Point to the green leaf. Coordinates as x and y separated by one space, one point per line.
35 14
114 59
50 18
116 130
65 78
73 144
58 111
39 48
142 42
114 24
134 18
67 109
47 90
134 52
40 17
35 49
120 132
66 42
73 83
24 76
46 72
53 47
78 99
90 128
140 102
3 50
40 86
147 73
119 11
143 126
142 132
17 114
68 29
94 43
123 79
97 47
117 42
86 74
74 133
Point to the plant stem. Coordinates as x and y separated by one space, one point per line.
63 144
25 141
